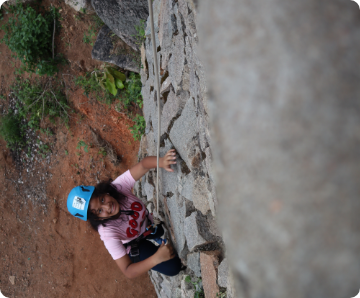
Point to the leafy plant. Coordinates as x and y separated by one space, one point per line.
36 102
29 36
110 79
133 90
83 144
221 295
89 36
12 130
139 127
140 33
199 292
47 131
43 149
96 24
92 87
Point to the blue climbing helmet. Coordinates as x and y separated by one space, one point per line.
78 201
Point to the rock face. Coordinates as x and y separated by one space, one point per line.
285 112
187 195
122 17
81 5
108 48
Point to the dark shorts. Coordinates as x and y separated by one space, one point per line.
147 249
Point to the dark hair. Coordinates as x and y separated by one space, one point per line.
105 187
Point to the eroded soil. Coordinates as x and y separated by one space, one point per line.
43 249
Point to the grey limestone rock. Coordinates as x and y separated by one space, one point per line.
193 262
149 190
177 218
187 122
191 229
149 102
156 11
107 49
171 109
122 17
201 195
81 4
223 272
177 60
166 287
168 24
187 187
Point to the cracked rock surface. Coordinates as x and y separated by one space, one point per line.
187 201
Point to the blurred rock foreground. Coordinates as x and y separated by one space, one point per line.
284 101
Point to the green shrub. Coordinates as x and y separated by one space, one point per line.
91 87
140 33
12 130
29 35
133 91
139 127
36 102
90 34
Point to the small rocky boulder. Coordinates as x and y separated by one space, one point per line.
110 48
122 17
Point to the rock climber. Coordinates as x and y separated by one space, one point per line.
126 227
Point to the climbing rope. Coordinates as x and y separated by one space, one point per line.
158 100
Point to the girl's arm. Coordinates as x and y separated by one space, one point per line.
141 168
132 270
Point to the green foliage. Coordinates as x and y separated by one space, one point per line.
97 22
103 84
92 88
199 292
133 90
140 33
139 127
28 34
43 149
35 103
110 79
12 130
102 152
47 131
90 34
83 144
66 152
221 295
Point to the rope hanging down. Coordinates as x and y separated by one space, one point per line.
158 100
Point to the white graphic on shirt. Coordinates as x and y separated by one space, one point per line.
79 203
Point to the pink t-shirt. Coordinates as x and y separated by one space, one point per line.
126 227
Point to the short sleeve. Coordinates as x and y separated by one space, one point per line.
125 182
115 248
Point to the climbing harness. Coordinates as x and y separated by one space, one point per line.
134 244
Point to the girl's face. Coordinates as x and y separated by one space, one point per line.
104 206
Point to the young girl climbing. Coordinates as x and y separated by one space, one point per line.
124 223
